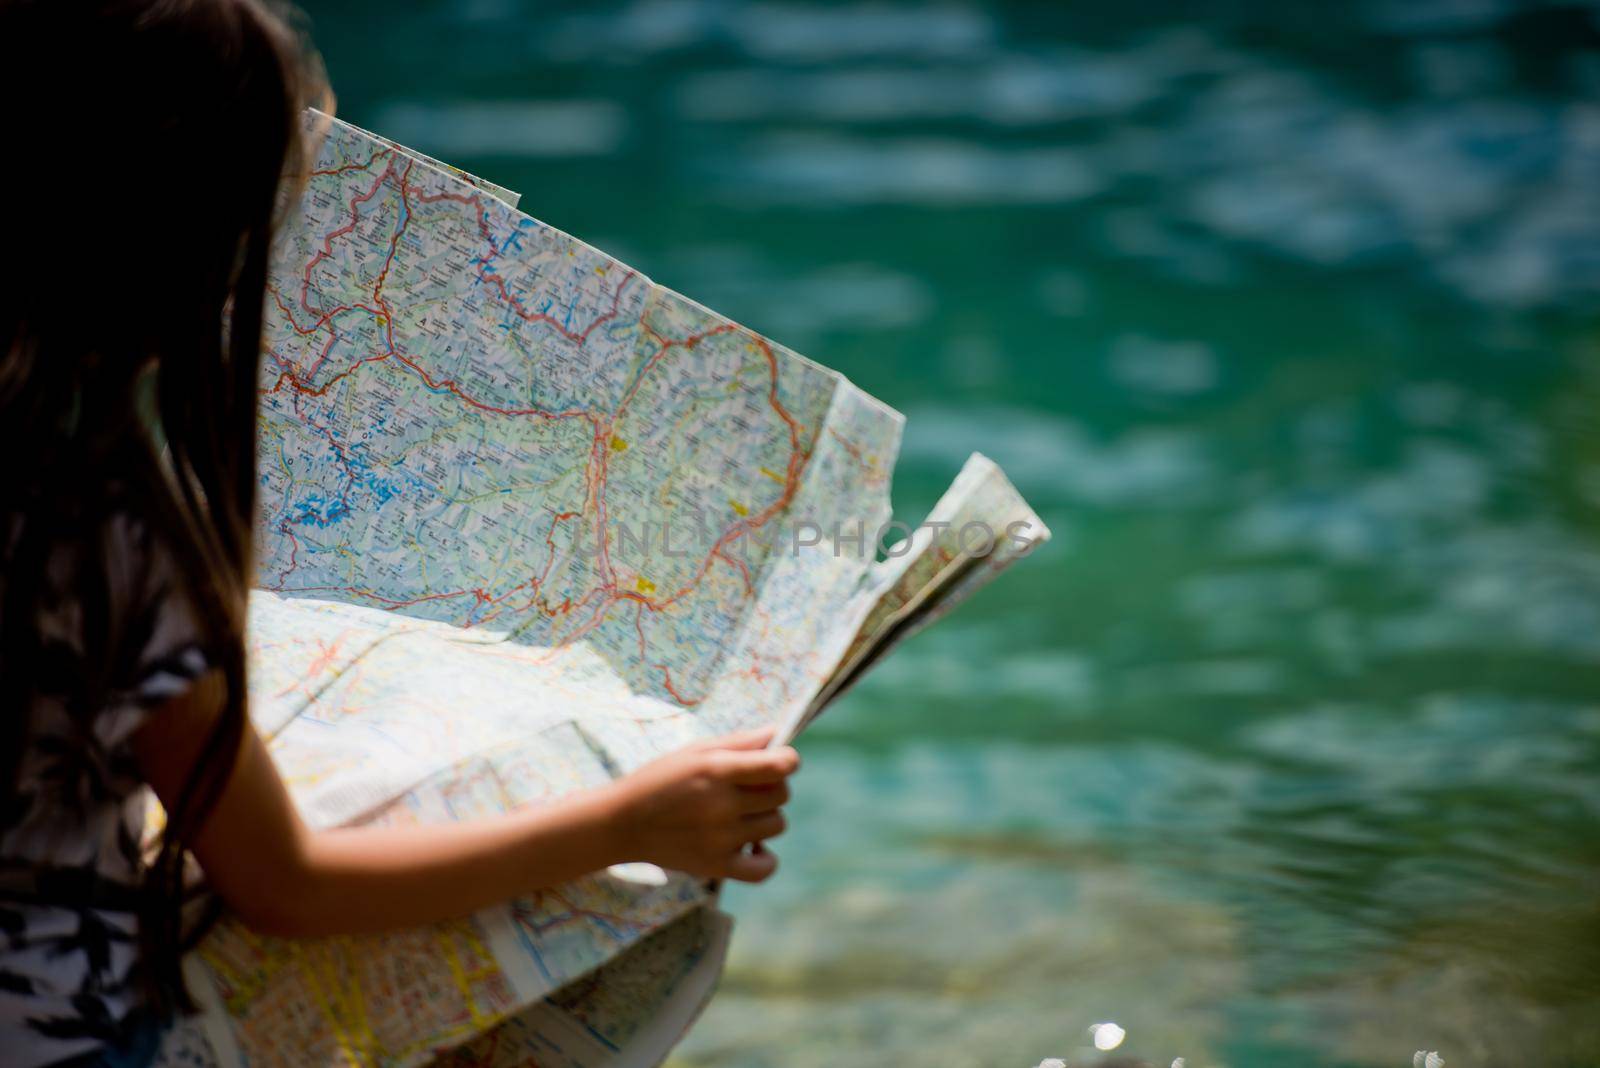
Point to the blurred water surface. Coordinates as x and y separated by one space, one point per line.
1284 315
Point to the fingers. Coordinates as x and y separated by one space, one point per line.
755 738
756 799
754 867
764 825
757 767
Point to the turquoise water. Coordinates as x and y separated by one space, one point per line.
1285 752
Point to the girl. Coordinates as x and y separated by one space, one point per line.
137 234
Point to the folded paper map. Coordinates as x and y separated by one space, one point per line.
527 521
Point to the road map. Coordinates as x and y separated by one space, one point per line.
528 520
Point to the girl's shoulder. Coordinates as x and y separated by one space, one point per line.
95 613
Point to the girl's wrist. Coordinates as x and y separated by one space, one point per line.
572 836
609 823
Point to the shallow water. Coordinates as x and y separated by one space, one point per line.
1285 752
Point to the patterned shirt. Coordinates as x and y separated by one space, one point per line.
70 829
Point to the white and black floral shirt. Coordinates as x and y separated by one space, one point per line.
70 828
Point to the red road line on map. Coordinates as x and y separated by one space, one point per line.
473 201
288 377
739 566
294 553
549 539
661 666
314 327
391 602
477 593
350 166
849 446
394 246
540 317
791 482
665 343
333 339
329 238
666 680
329 652
595 481
536 583
449 385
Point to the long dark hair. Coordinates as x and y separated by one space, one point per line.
145 146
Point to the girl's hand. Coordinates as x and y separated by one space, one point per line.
696 809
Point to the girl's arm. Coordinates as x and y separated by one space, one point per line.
693 810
